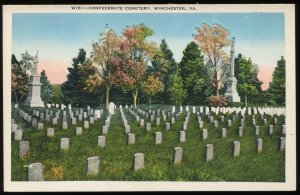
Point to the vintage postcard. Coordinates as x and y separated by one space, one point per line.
149 97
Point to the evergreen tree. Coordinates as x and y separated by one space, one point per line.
46 88
72 89
19 80
248 84
277 86
194 74
171 66
176 89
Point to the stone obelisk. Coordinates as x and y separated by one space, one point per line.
231 91
34 87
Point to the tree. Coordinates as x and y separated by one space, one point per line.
46 89
101 56
151 86
246 74
176 89
212 40
91 83
57 94
133 58
277 86
171 68
72 89
194 73
19 79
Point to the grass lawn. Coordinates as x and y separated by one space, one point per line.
117 157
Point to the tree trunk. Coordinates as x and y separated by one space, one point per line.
134 95
217 84
16 98
245 100
107 96
150 101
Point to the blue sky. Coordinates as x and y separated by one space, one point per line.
59 36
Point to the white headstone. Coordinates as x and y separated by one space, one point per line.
138 161
111 108
92 167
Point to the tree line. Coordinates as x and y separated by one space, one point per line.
130 67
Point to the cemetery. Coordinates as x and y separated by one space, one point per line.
115 146
129 112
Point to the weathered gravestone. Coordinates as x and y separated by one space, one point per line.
259 144
209 152
157 121
92 167
78 130
142 122
86 124
168 126
64 143
50 132
236 148
127 129
64 125
111 108
40 126
224 132
92 120
182 137
35 172
241 131
282 144
54 121
148 127
18 135
177 158
138 161
256 130
204 134
158 138
270 129
101 141
23 148
104 129
131 139
283 129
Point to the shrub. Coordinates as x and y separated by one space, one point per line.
55 173
217 100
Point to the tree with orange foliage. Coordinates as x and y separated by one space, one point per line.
152 85
101 58
212 40
134 58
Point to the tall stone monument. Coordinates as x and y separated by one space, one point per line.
34 87
231 91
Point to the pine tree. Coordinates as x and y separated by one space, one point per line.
46 88
194 74
72 89
277 86
176 89
172 68
248 84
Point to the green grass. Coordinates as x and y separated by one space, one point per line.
116 157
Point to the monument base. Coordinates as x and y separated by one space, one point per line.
34 92
231 92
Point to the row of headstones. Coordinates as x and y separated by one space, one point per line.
256 110
35 170
50 131
40 125
56 114
229 124
140 121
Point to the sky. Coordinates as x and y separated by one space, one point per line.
59 36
